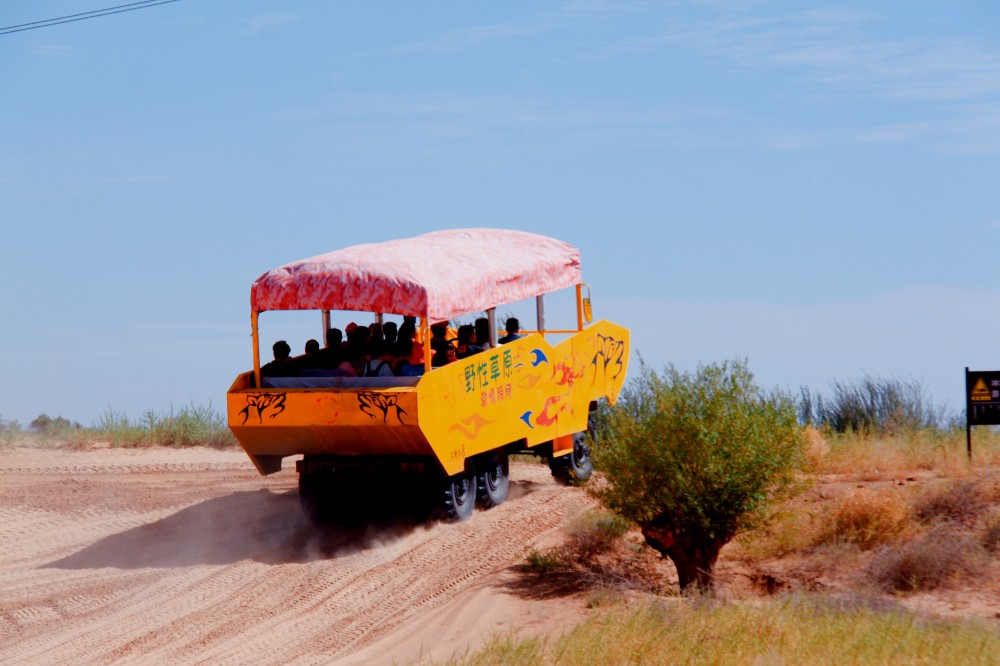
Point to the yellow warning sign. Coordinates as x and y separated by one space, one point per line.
980 392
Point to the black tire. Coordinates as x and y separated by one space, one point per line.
459 499
493 482
576 467
313 497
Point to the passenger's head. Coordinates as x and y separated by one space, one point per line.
512 326
357 334
377 348
402 348
334 337
406 331
375 331
443 355
312 346
439 329
466 334
483 330
281 350
389 331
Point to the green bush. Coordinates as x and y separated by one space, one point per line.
9 430
694 459
543 562
594 533
46 425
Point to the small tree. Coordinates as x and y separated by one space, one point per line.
696 459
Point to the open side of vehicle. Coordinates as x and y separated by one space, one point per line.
454 426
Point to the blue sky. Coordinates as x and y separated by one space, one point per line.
810 186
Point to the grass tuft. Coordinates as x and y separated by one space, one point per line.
866 518
591 534
543 562
989 531
937 559
960 500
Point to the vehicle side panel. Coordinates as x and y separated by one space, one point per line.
527 390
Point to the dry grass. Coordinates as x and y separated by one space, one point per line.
866 518
592 534
894 457
961 500
793 630
600 554
942 557
989 531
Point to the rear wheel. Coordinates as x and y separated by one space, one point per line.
460 494
493 481
314 496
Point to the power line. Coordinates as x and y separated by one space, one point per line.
83 16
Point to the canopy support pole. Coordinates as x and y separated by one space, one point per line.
540 314
326 325
256 347
491 317
425 335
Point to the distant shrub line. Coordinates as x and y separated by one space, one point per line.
192 425
875 405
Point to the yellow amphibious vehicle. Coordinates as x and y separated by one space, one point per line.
455 424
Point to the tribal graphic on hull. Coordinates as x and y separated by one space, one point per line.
369 402
609 356
261 403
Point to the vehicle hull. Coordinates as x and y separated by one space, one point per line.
524 394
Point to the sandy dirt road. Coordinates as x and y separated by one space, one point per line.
188 556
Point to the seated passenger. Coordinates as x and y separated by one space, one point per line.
513 328
444 353
483 333
401 354
389 331
380 364
345 369
282 365
407 331
440 332
356 349
468 342
331 355
414 365
311 359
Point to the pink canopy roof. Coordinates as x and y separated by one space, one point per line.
440 275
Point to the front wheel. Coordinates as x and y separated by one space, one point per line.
459 498
576 467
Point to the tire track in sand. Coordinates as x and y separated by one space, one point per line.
212 564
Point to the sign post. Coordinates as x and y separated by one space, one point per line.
982 401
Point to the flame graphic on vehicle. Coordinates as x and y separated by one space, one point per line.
550 416
470 426
528 382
